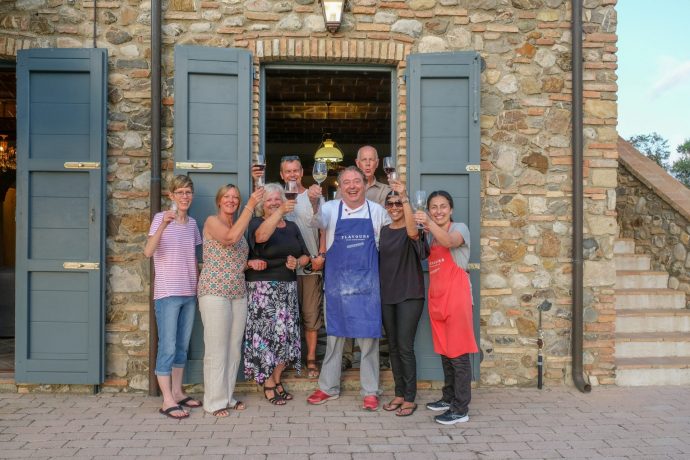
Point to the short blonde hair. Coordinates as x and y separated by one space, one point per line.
180 181
223 190
268 189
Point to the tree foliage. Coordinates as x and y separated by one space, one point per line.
681 167
654 147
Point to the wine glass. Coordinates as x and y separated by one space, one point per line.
388 166
261 164
320 171
173 208
393 177
291 190
420 203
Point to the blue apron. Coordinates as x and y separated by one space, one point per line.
353 298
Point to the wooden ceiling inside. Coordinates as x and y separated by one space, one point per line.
302 105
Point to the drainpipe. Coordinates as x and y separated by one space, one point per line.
155 187
578 220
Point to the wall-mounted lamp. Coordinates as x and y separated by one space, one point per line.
333 13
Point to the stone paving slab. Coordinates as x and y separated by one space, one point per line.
505 423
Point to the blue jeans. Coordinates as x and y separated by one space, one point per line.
174 318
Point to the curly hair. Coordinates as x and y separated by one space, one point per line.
268 189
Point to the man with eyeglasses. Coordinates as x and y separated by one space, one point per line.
309 278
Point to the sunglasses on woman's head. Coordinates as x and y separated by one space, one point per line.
394 204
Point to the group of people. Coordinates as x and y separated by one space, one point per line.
357 258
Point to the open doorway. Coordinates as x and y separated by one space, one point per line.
302 105
8 188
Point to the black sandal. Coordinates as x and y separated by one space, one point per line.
277 399
283 392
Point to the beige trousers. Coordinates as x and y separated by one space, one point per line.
224 321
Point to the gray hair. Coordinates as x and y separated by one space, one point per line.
354 169
367 147
268 189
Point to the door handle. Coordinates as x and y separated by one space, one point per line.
81 265
82 165
192 165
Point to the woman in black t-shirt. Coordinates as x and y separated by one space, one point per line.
272 336
401 250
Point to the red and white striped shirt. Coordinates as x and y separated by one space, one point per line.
175 258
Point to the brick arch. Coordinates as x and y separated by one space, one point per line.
306 49
336 51
9 45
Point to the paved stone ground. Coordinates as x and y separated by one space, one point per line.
630 423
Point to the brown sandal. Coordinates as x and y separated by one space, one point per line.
221 413
313 371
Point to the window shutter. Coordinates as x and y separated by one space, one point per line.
443 142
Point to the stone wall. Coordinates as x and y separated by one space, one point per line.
526 155
658 229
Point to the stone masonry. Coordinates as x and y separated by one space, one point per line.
658 228
525 145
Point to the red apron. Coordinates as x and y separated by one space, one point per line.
450 305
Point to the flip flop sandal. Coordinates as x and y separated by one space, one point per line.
390 407
411 410
313 371
185 402
221 413
168 412
239 406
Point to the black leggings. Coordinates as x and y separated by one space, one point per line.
400 321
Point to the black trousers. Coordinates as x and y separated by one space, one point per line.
400 321
457 388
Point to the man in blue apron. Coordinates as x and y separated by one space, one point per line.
353 301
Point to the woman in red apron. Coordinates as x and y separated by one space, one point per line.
450 305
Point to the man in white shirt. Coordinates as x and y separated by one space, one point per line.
353 303
310 282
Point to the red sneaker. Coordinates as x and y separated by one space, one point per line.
371 403
319 397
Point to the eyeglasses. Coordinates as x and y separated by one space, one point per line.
183 193
289 158
394 204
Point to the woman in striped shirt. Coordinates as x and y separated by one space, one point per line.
172 242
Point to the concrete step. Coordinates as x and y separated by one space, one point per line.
650 344
649 298
653 371
624 246
642 279
653 320
632 261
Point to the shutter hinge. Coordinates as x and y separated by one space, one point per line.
473 266
473 168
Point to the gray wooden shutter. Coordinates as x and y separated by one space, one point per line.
213 93
60 287
443 154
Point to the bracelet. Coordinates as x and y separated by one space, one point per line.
250 208
322 254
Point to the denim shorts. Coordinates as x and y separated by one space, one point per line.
175 319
